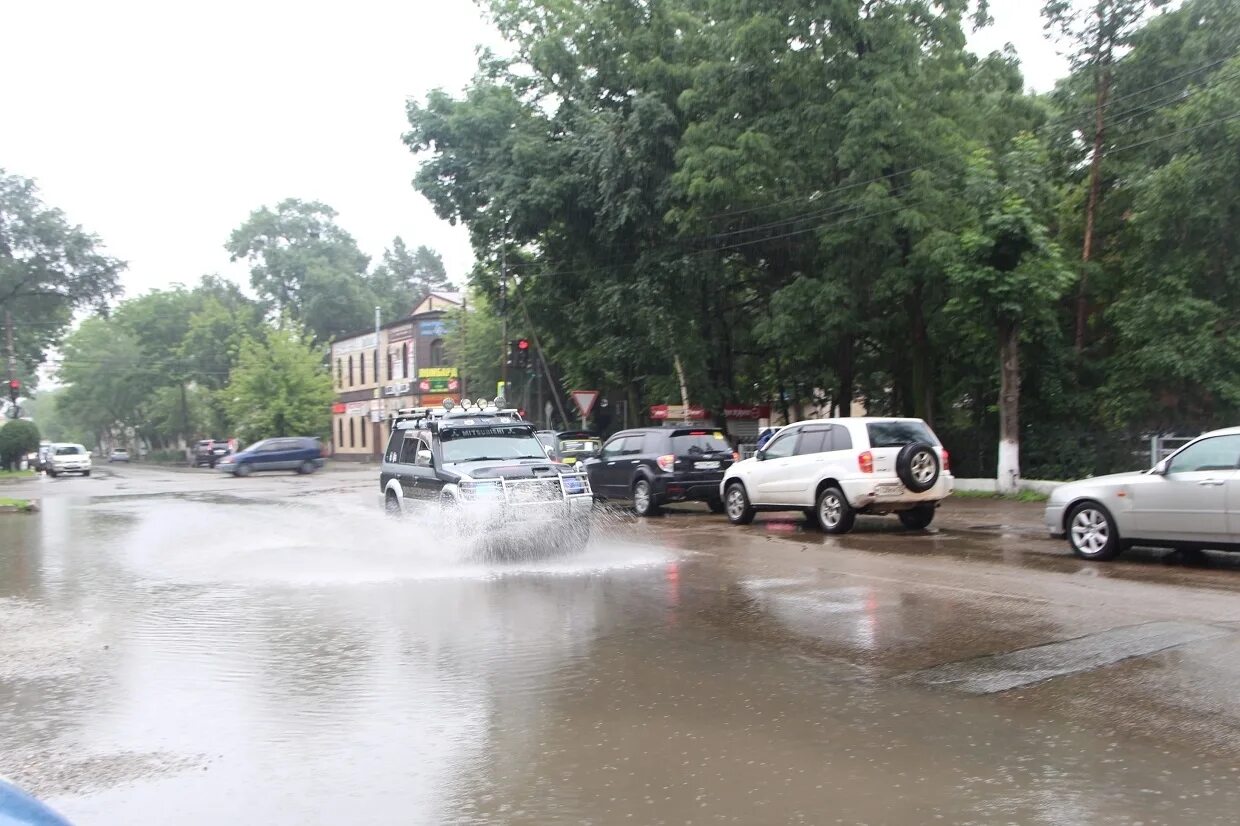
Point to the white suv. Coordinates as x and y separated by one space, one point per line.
834 469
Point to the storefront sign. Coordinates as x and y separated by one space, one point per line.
676 412
438 327
358 408
339 407
395 335
399 389
438 380
752 411
352 345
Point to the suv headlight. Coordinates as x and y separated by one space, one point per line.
478 490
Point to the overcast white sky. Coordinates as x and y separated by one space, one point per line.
159 126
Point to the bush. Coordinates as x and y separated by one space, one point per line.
17 438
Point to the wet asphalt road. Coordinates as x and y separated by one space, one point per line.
183 647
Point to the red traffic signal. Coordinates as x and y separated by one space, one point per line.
523 344
14 387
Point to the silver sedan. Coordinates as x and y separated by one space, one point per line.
1191 499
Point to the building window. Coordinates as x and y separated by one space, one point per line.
362 427
352 439
389 361
361 369
340 432
339 373
404 361
350 371
437 353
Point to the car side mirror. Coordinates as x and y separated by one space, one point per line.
424 457
1160 469
547 450
759 455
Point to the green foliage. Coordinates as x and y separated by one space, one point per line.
17 438
404 278
49 268
280 386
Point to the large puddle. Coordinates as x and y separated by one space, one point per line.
206 662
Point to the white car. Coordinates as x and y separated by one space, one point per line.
834 469
1191 499
69 458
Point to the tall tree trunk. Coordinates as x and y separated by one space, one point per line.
1101 94
847 375
1008 476
684 382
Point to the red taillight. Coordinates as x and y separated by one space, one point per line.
865 461
666 462
947 460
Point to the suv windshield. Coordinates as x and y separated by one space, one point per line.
472 444
69 450
899 434
700 443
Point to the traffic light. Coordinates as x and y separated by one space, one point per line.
15 387
523 353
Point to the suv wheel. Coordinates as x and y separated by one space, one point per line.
917 465
1092 533
643 499
243 469
917 518
834 513
306 467
736 505
391 505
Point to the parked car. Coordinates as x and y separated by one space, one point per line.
69 458
653 466
18 808
1187 500
209 452
835 469
302 454
118 454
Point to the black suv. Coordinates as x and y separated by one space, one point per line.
652 466
490 472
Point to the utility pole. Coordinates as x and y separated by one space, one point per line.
8 334
378 398
556 393
503 310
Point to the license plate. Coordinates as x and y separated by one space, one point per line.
706 465
888 490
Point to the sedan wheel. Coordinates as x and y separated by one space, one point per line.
1092 533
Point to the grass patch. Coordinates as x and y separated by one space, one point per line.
1022 496
17 474
20 504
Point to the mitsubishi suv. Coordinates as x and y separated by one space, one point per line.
835 469
483 469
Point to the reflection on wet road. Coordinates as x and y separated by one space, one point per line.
296 659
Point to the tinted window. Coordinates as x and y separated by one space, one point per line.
490 441
899 434
700 443
813 440
633 445
840 439
613 448
69 450
782 445
1218 453
392 454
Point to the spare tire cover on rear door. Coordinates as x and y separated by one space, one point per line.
918 466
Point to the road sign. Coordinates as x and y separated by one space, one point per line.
584 399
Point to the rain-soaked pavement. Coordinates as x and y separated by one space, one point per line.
181 647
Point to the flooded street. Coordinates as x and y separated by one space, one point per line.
187 648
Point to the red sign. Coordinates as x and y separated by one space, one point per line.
673 412
338 407
752 411
435 401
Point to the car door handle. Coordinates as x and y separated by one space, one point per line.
1213 483
636 462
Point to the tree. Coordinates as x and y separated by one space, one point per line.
17 439
280 386
1097 29
306 267
48 269
109 378
404 278
1007 271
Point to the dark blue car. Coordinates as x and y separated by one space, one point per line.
297 453
20 809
